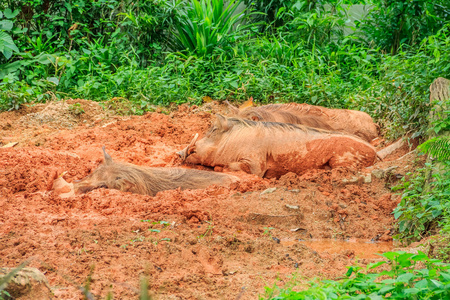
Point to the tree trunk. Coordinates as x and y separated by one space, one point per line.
439 98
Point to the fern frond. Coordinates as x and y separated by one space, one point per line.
438 147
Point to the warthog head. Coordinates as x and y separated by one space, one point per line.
109 175
197 152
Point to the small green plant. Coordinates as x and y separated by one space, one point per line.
267 231
76 109
4 295
4 281
209 230
164 225
403 280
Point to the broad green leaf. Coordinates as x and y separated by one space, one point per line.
12 47
10 14
392 255
6 69
389 281
54 80
445 276
398 214
6 25
7 53
436 283
386 289
374 265
6 38
405 277
420 257
410 291
436 213
45 59
422 284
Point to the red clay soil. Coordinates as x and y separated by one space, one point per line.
217 243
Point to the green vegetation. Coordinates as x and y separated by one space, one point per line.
424 210
403 280
208 25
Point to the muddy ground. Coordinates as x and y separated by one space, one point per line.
217 243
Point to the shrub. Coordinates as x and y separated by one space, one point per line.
401 281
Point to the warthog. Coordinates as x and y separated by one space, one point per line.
342 120
143 180
271 149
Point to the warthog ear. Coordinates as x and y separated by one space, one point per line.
108 159
233 110
221 122
248 103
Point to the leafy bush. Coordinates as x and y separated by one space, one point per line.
422 209
63 26
391 24
207 25
401 281
438 147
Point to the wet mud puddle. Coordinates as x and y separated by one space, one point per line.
356 248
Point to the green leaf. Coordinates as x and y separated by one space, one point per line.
392 255
45 59
405 277
54 80
374 265
6 69
445 276
398 214
7 53
6 39
422 284
436 212
389 281
12 47
6 25
386 289
410 291
9 14
436 283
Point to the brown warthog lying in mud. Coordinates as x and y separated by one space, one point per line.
342 120
270 149
142 180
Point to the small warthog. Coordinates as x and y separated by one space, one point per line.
342 120
271 149
143 180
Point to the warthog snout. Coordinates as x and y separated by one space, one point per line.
183 154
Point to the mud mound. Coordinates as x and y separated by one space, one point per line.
65 114
212 243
